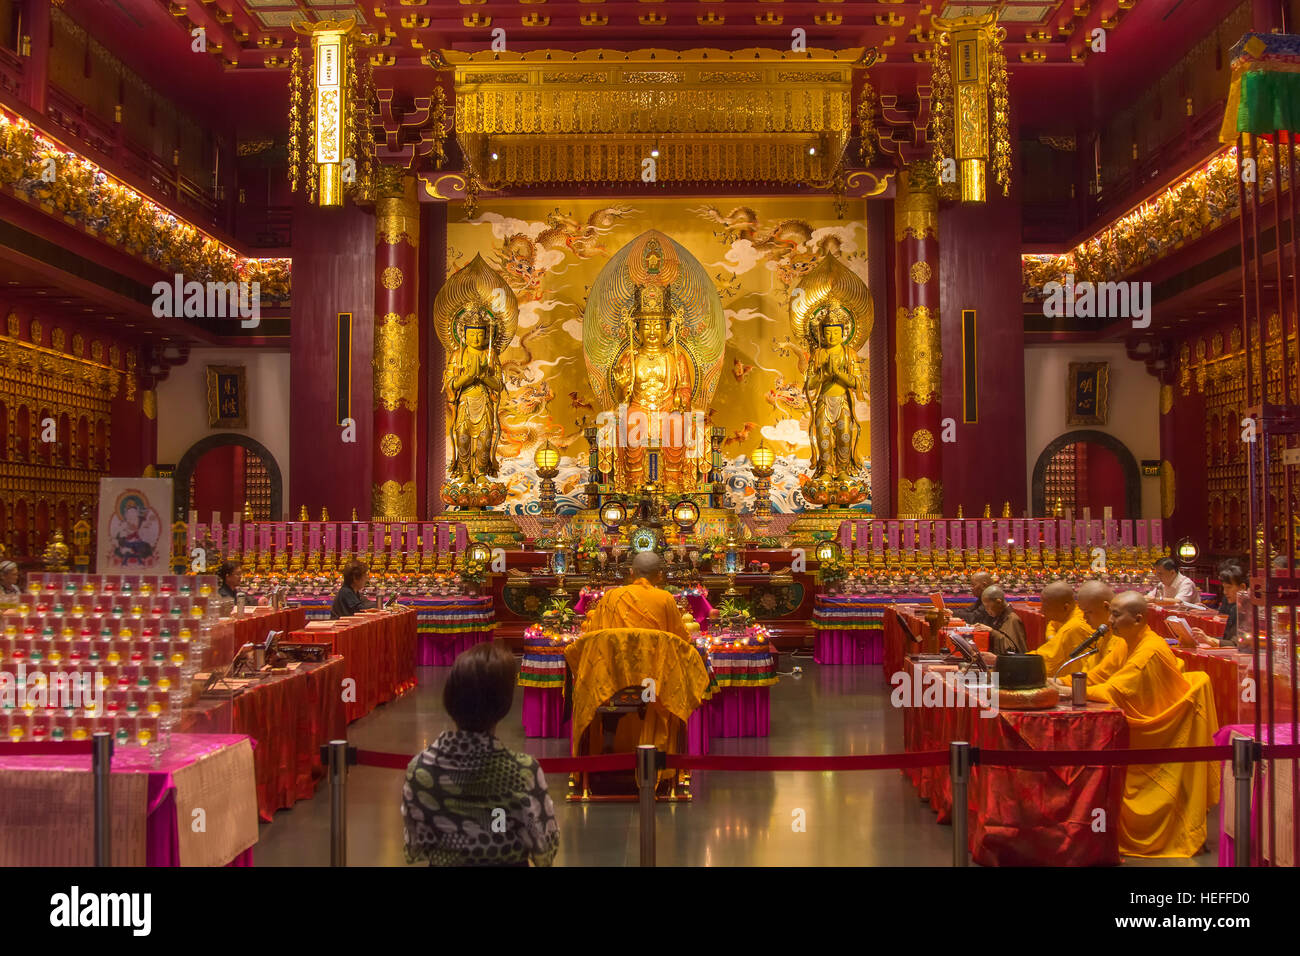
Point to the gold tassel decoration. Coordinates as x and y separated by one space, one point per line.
868 139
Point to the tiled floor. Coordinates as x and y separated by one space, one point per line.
736 819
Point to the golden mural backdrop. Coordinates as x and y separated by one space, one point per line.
754 250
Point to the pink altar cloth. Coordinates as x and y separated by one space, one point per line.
434 650
45 804
849 646
1227 845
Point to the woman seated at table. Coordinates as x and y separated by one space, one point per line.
1233 581
228 576
10 595
468 800
349 600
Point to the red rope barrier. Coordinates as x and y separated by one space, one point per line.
928 758
601 763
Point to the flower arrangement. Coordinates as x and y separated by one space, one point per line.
559 614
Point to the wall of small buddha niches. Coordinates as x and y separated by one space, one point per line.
1205 469
58 390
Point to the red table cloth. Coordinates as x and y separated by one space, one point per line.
46 809
379 652
232 633
289 716
1025 817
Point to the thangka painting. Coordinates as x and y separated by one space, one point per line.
754 250
134 532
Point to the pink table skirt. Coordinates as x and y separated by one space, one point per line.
740 712
849 646
1227 845
439 650
544 712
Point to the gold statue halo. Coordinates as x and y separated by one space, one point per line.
475 287
832 283
690 304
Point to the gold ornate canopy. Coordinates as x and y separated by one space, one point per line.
832 283
477 287
680 283
707 115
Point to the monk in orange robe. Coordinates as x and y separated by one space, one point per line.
642 604
1165 805
1069 625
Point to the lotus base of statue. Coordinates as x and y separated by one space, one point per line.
836 492
474 501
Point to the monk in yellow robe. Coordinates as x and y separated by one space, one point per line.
1165 805
1068 626
643 603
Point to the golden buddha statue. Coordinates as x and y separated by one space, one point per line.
472 384
829 385
653 340
652 383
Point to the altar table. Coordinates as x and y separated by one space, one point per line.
738 703
231 633
47 815
378 649
1024 817
289 716
446 624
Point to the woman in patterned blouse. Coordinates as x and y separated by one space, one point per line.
469 801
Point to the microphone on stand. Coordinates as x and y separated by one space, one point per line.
1009 647
1084 649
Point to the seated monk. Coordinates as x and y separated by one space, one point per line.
1006 630
1164 804
1068 627
642 604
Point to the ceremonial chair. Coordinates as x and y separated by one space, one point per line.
609 670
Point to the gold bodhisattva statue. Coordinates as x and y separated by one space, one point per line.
652 382
472 384
831 380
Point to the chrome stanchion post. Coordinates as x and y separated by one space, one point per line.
1243 759
959 769
338 771
101 770
647 778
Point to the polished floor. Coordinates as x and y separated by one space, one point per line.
736 819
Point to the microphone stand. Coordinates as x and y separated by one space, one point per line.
1086 649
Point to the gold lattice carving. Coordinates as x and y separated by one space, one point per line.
396 362
392 500
920 499
920 355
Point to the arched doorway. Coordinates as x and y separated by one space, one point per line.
222 472
1087 469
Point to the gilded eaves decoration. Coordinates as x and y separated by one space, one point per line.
701 115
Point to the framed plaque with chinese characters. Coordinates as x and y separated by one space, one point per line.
1086 393
227 397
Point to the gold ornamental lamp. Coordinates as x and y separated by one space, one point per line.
547 461
763 459
971 109
330 148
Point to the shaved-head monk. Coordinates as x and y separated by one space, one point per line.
1164 804
1007 630
642 604
975 613
1066 629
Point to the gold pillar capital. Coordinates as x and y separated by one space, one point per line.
916 204
397 208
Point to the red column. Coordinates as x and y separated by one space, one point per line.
396 361
918 349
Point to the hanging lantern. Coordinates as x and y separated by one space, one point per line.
970 106
331 150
